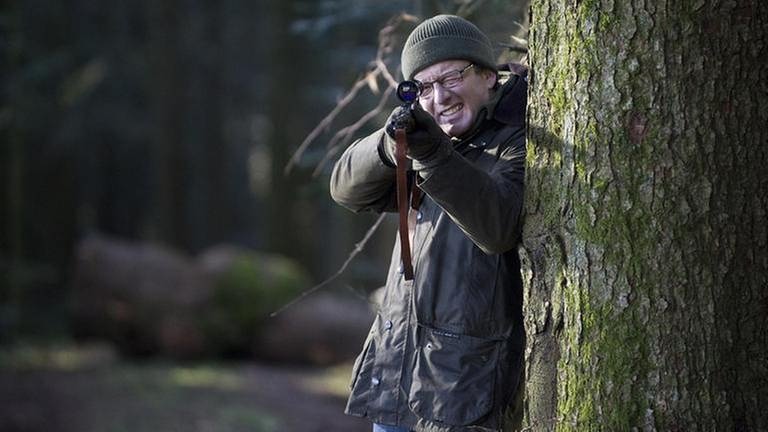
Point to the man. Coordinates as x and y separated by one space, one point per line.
445 349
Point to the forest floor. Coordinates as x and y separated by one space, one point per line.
90 389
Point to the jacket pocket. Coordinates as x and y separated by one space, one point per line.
453 377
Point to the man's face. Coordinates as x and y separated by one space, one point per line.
455 108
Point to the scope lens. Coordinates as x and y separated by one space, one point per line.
408 91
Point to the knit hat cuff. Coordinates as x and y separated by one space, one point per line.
441 48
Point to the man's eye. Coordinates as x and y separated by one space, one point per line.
450 81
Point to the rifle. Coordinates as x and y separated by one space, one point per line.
408 92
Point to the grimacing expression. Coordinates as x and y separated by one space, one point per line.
454 109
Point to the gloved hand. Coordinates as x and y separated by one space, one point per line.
400 117
424 136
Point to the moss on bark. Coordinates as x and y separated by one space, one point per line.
637 175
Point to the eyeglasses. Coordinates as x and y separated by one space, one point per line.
449 80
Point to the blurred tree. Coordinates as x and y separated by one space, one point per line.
167 93
645 239
35 210
11 155
284 83
219 205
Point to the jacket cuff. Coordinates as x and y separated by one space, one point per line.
384 155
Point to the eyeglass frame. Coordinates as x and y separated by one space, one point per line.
429 86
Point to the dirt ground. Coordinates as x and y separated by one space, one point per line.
116 396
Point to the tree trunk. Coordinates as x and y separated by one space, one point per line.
13 237
219 217
283 112
645 253
168 85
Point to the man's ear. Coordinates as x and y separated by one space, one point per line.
490 78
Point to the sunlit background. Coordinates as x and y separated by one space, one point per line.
149 224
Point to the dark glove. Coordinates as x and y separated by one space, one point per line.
423 134
399 118
427 138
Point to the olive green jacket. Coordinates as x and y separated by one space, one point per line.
445 350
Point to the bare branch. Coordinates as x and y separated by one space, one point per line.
344 135
378 69
469 7
326 122
358 248
384 71
515 48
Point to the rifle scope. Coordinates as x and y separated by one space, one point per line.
409 91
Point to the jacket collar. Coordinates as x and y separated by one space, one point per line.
506 106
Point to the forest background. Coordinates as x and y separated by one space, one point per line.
149 225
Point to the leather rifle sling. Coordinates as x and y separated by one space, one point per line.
401 146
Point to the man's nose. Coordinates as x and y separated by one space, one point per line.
441 94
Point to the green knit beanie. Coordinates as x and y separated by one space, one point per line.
445 37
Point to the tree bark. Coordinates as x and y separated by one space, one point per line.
645 255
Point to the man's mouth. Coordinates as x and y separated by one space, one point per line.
452 110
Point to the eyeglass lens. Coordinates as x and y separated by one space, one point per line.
449 80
